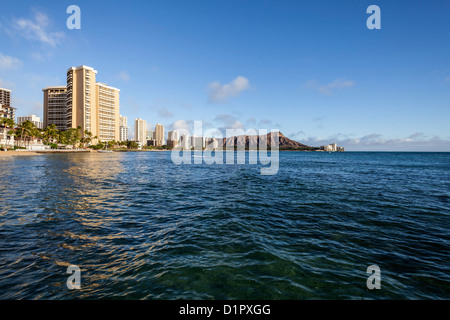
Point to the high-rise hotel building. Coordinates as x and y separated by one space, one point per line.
107 102
6 111
84 103
81 99
140 131
5 97
123 128
159 134
55 105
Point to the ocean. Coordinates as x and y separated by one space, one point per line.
140 227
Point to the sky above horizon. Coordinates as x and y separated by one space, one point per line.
311 69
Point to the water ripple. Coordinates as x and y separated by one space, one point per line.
140 227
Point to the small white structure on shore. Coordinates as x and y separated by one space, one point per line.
332 148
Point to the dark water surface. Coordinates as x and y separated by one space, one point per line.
140 227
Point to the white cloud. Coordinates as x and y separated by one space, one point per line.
7 62
36 29
164 112
376 142
219 93
181 125
329 88
123 76
227 121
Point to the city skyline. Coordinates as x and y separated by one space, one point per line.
274 69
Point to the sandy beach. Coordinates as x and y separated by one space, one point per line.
7 154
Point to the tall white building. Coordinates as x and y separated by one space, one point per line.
123 128
159 134
140 131
198 142
34 119
211 143
185 142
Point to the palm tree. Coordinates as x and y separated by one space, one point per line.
50 134
72 136
63 137
87 138
26 129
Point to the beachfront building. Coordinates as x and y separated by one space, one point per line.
107 105
211 143
173 135
198 143
81 98
6 139
159 135
5 97
33 119
92 105
55 105
140 131
173 138
332 148
123 128
185 142
6 111
84 103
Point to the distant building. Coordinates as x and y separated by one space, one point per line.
123 128
172 143
173 135
185 142
331 148
150 134
159 134
140 131
173 138
5 97
55 107
32 118
5 138
211 143
198 143
7 112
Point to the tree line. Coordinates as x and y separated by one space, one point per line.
27 132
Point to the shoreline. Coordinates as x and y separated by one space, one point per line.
9 154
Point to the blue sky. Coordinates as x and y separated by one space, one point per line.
311 69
